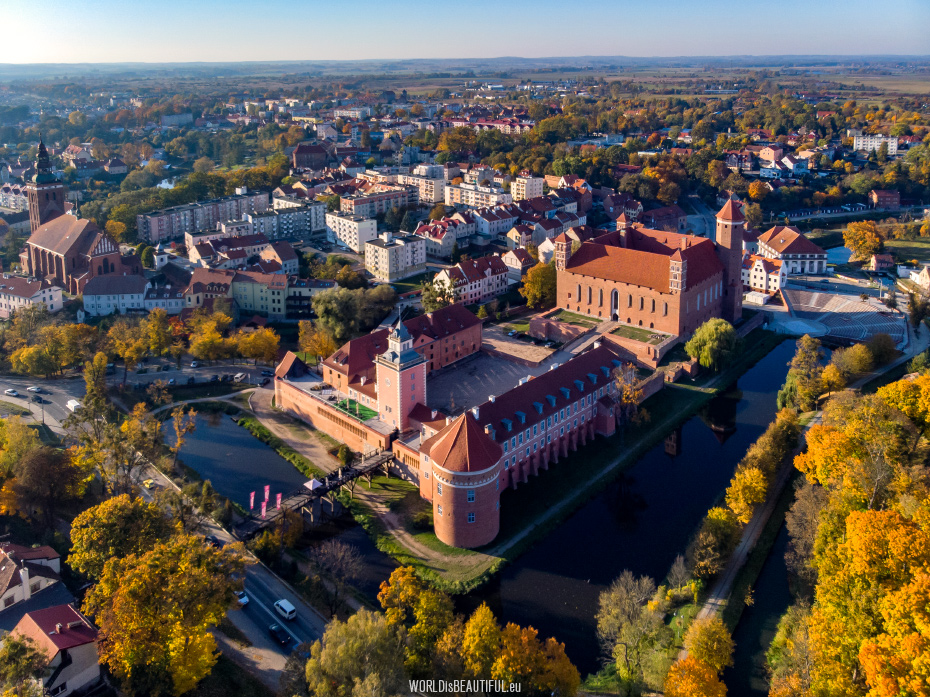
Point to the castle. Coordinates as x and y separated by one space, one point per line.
654 279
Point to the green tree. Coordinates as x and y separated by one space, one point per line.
437 294
148 257
360 657
708 640
539 285
21 661
713 344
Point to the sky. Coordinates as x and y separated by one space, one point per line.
112 31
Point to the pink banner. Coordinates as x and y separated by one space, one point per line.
264 507
251 500
279 501
267 491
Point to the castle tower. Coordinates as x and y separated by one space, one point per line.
46 195
465 465
562 251
401 379
730 227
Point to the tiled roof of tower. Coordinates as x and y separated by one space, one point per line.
731 212
463 447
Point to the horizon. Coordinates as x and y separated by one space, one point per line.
226 31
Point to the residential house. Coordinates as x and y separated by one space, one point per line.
763 275
885 198
882 263
17 292
476 280
392 258
518 262
106 295
353 231
282 253
25 571
801 256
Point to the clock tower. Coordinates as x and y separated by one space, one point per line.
45 193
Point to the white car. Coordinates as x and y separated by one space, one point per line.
11 393
195 364
242 598
37 390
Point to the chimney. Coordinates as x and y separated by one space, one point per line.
448 420
474 412
435 413
597 344
684 242
24 577
491 398
59 628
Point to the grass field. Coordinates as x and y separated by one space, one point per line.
353 408
639 334
405 285
577 320
909 249
13 409
516 326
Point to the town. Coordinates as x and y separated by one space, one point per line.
589 376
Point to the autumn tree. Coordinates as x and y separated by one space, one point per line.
437 294
832 379
713 343
806 371
748 489
359 657
47 477
338 563
481 643
709 641
259 345
16 439
130 342
119 527
543 666
21 663
158 333
156 611
539 285
315 342
714 542
864 239
690 677
182 423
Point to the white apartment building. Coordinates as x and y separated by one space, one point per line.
173 223
474 196
106 295
355 112
869 142
283 222
430 171
391 258
432 190
491 222
351 230
18 291
317 210
527 187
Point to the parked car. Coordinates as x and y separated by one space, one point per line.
214 378
264 382
227 378
279 634
285 609
195 364
239 377
172 382
267 373
214 541
242 598
11 393
191 380
37 390
148 483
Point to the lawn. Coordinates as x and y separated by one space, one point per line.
406 285
904 250
577 320
13 409
353 408
516 326
639 334
308 358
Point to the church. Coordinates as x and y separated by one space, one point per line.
654 279
64 249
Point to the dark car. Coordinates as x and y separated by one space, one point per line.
264 382
267 373
214 541
191 381
214 378
279 634
37 399
227 378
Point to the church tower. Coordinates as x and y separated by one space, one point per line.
46 195
401 379
730 226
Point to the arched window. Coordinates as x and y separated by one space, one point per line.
600 298
578 297
665 310
629 301
590 291
653 306
642 302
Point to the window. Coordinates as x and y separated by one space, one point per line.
7 602
439 509
471 496
58 689
471 517
439 488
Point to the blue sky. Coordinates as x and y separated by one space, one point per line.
72 31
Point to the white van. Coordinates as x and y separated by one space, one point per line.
285 609
73 404
239 377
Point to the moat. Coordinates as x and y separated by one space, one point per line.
639 522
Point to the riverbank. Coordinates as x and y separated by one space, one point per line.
541 504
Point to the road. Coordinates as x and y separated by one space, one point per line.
705 223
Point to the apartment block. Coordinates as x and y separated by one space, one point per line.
527 187
431 189
380 200
173 223
474 196
869 142
351 230
391 258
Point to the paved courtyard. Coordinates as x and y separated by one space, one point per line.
496 339
471 381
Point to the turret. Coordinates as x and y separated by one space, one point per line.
729 241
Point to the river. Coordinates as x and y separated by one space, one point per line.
640 522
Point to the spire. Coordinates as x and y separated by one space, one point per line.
44 173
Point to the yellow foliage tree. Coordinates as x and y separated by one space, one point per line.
747 489
864 239
709 641
690 677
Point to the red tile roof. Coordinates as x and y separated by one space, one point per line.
788 240
731 212
463 447
56 628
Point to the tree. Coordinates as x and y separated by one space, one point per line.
539 285
713 343
807 371
679 575
690 677
119 527
21 661
155 612
882 348
204 165
340 564
864 239
714 542
314 341
148 257
438 294
356 658
482 312
116 230
832 379
182 423
259 345
753 214
543 667
46 477
758 191
456 254
628 393
748 488
158 332
130 343
16 439
481 643
708 640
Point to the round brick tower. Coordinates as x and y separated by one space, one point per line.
730 226
465 476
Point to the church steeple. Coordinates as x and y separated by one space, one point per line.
46 195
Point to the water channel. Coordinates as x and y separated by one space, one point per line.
640 522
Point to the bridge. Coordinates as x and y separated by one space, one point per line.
344 478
